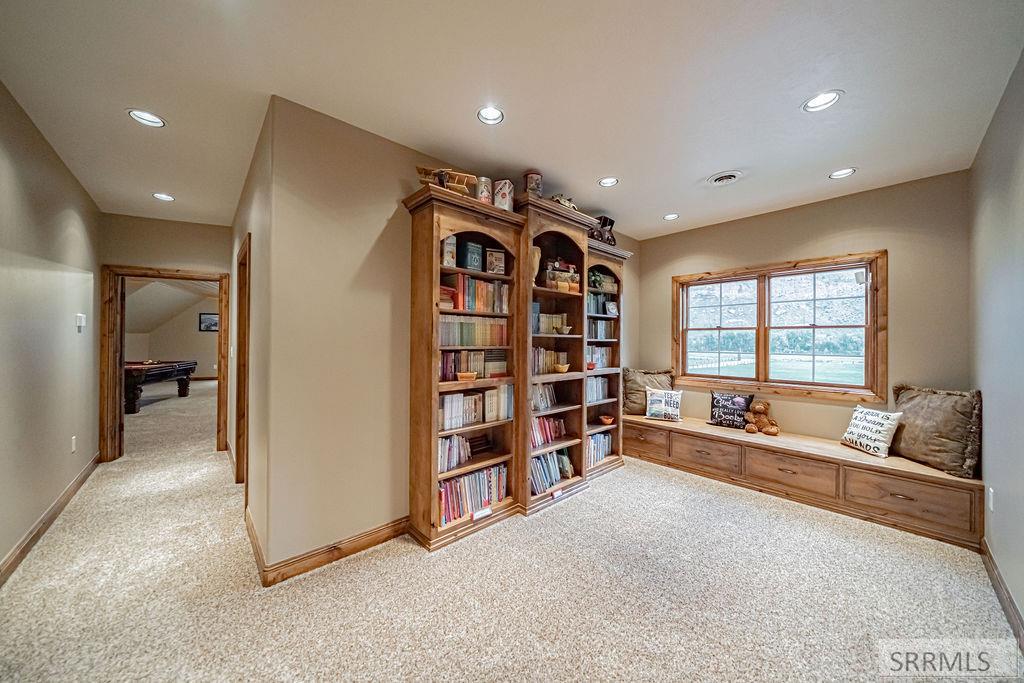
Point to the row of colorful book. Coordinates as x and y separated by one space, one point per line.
465 410
599 447
546 430
601 329
471 330
548 469
453 451
549 323
543 397
543 361
598 303
465 293
470 493
489 363
596 389
600 356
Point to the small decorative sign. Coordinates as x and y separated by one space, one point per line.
481 513
556 494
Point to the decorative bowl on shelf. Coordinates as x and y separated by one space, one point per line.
591 365
607 419
466 376
561 367
565 329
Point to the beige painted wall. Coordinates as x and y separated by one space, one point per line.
923 224
136 346
630 342
48 273
997 267
134 241
180 339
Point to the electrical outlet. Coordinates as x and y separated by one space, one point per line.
214 367
74 444
991 499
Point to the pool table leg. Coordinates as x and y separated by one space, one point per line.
132 394
183 385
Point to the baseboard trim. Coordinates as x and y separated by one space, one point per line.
204 378
22 548
1013 614
277 572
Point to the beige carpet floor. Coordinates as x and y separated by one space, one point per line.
652 574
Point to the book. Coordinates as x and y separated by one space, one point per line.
488 363
601 329
467 330
470 255
599 447
596 389
496 261
448 251
546 430
542 397
600 356
548 469
543 361
458 410
470 294
462 496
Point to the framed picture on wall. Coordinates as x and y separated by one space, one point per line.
209 322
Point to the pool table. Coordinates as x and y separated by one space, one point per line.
138 373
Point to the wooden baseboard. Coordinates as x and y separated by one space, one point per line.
21 549
271 574
204 378
1013 614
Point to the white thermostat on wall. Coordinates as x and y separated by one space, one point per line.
80 321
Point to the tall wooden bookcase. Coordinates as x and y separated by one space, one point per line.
437 214
555 231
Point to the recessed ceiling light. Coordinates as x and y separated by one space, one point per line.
670 216
842 173
147 118
724 178
490 115
163 196
609 181
823 100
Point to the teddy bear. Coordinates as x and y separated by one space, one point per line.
758 420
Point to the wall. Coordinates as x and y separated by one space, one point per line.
997 275
180 339
48 273
629 347
156 243
136 346
923 224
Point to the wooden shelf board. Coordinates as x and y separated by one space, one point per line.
602 341
592 290
481 314
556 336
472 348
603 401
602 316
557 487
452 270
598 428
467 520
547 291
556 377
610 461
555 445
479 462
604 371
479 426
481 383
556 409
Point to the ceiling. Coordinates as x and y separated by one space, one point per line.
661 94
148 303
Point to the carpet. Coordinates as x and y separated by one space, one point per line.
651 574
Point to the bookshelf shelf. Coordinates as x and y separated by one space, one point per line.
477 463
557 336
479 426
555 445
563 484
609 463
595 290
548 292
450 270
604 371
599 428
467 520
472 348
602 401
602 316
556 377
481 383
555 410
602 341
479 314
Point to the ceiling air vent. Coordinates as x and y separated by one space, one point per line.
724 178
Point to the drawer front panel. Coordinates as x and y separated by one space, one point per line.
691 451
786 472
929 505
644 441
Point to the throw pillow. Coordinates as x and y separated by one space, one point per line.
871 430
939 428
727 410
663 404
636 383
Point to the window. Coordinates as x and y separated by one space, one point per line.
810 328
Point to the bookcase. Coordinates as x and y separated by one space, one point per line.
464 433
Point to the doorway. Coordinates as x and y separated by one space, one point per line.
114 284
242 266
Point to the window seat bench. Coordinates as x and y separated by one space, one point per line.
893 491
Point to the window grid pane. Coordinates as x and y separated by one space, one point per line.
720 329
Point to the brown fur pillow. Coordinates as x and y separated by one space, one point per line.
636 383
939 428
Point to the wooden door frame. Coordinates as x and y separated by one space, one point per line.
112 283
243 281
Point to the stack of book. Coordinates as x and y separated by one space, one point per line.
546 430
596 302
452 452
548 323
464 410
601 329
599 447
600 356
469 294
542 397
462 496
490 363
597 389
462 330
548 469
543 361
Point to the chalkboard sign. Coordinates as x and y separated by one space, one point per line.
727 409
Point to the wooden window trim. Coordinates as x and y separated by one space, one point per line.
876 365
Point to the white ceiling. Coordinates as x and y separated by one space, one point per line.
148 303
662 94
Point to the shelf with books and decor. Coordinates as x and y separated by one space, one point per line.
466 367
553 248
603 384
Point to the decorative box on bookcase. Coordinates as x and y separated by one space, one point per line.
463 434
603 390
555 429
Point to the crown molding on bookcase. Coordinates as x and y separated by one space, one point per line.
609 249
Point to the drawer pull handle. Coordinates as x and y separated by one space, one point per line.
783 469
641 437
700 452
902 497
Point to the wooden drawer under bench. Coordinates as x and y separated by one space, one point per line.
893 491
